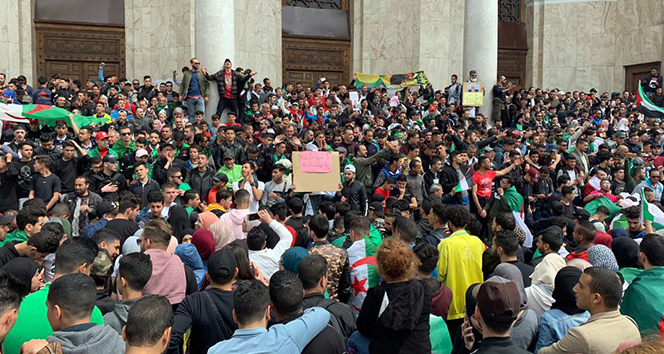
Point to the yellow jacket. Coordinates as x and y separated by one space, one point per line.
460 266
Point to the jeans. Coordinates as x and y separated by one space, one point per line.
194 104
357 343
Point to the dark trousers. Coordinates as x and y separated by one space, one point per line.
230 103
241 110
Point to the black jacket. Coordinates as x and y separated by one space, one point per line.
328 341
356 196
342 313
403 327
201 182
99 180
209 314
496 345
449 180
8 252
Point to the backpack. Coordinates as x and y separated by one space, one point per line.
334 321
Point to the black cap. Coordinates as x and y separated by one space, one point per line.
110 158
6 219
228 155
377 208
104 207
163 145
220 177
221 265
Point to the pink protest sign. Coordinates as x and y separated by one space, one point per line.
315 162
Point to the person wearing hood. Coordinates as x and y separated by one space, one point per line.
403 325
540 291
190 257
70 301
133 273
27 272
222 234
236 217
290 260
601 256
564 313
203 240
626 251
525 330
208 313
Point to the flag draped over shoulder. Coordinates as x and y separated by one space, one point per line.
396 81
515 201
47 114
651 212
363 268
646 106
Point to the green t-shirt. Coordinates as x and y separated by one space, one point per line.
234 174
17 235
32 322
184 187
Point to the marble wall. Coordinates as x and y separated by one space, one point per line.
398 36
17 56
159 37
258 37
579 45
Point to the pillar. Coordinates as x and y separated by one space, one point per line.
214 41
480 45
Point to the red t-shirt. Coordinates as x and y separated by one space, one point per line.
228 83
484 183
380 191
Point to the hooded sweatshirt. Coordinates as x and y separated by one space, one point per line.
118 318
396 317
234 219
190 257
168 277
89 339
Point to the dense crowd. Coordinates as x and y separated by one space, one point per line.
539 230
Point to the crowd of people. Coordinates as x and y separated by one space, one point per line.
159 231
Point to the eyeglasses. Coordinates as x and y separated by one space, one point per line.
125 134
178 177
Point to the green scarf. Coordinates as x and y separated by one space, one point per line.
122 150
513 199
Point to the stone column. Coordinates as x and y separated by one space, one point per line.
480 45
215 41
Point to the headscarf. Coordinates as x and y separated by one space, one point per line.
189 256
179 220
601 256
159 124
511 272
222 234
545 272
204 242
626 251
565 281
602 238
207 219
23 269
292 257
580 263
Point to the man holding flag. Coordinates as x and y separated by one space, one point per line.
455 178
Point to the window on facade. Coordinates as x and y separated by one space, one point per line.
509 10
317 4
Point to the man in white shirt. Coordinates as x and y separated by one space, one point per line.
251 185
267 259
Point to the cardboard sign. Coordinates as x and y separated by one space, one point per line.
305 182
316 161
473 94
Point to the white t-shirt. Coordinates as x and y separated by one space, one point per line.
254 204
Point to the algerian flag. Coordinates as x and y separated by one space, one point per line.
363 267
650 211
646 106
595 182
515 201
45 113
618 222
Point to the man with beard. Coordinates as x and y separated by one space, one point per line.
108 182
82 205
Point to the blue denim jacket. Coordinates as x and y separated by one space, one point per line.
287 338
554 324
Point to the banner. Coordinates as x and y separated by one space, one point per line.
473 94
396 81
